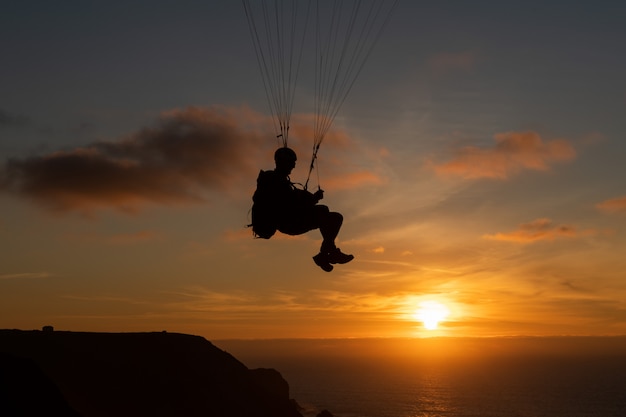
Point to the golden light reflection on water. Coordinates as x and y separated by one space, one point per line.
456 377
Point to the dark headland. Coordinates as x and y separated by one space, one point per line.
76 374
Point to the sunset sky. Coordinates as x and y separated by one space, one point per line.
479 162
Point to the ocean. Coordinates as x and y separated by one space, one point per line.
529 377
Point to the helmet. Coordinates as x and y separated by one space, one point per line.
285 154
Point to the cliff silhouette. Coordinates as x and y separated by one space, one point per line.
132 374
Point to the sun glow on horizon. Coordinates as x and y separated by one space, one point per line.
431 313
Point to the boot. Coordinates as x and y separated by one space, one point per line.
335 256
321 260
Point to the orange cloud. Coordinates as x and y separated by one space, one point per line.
536 230
176 161
512 153
352 180
614 205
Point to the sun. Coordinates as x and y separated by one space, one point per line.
431 313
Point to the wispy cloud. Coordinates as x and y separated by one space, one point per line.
175 162
378 249
201 300
25 275
539 230
106 299
614 205
512 153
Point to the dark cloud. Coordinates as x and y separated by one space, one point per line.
186 154
10 120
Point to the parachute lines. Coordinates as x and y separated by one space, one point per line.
346 32
344 40
278 39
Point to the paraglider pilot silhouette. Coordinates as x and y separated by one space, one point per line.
279 205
